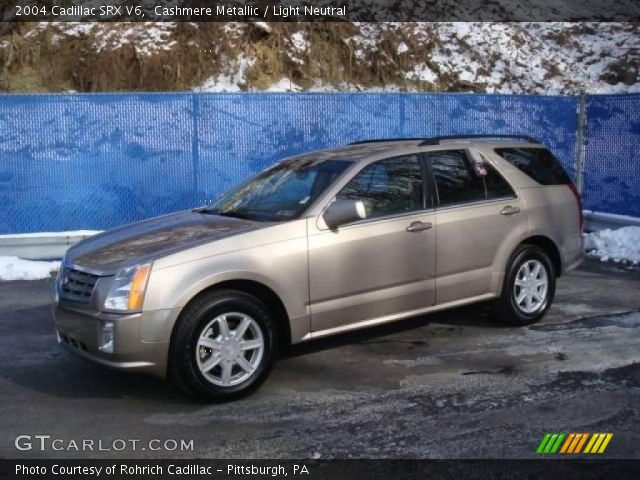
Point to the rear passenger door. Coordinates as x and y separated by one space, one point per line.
477 210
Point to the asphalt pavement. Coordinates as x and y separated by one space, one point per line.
455 384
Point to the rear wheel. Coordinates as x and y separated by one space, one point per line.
223 346
528 289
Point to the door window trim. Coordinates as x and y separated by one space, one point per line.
386 218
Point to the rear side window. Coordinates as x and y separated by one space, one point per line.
537 163
455 181
497 186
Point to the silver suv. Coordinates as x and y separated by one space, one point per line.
319 244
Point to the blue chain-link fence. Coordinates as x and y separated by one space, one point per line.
612 154
94 161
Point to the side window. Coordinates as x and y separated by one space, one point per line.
538 163
388 187
455 181
497 186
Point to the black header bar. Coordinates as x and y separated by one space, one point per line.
319 10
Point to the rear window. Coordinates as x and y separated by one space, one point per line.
538 163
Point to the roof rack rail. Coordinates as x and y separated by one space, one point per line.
382 140
437 140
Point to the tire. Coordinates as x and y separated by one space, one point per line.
537 298
214 363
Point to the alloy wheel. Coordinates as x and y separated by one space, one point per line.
230 349
531 286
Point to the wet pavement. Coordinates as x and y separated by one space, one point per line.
453 384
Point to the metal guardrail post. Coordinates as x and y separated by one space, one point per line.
581 139
195 148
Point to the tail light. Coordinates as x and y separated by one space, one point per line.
576 194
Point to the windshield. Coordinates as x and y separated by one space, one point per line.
283 192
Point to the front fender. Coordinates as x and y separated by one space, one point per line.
282 267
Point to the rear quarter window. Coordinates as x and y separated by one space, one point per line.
537 163
496 185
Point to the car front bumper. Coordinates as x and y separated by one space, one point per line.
80 332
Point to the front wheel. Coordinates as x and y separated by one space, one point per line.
528 288
223 346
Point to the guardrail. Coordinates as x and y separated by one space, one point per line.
600 221
41 246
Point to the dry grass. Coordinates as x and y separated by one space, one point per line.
36 59
47 61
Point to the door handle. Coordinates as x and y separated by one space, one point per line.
509 210
419 226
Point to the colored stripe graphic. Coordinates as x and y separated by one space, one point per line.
574 443
596 446
567 443
600 442
565 447
594 437
543 443
555 447
550 443
583 439
606 441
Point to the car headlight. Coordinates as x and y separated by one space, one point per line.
127 290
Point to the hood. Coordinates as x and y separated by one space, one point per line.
150 239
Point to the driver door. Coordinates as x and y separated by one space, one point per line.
371 270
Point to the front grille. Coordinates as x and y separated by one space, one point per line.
77 286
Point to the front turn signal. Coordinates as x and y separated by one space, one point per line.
138 286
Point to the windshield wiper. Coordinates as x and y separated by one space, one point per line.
226 213
234 214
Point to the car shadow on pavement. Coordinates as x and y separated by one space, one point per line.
476 315
68 377
38 364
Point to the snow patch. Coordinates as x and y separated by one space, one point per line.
299 41
14 268
145 38
423 73
525 57
228 82
283 85
620 245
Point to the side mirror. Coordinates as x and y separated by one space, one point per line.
344 211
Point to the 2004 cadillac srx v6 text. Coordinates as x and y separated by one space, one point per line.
319 244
